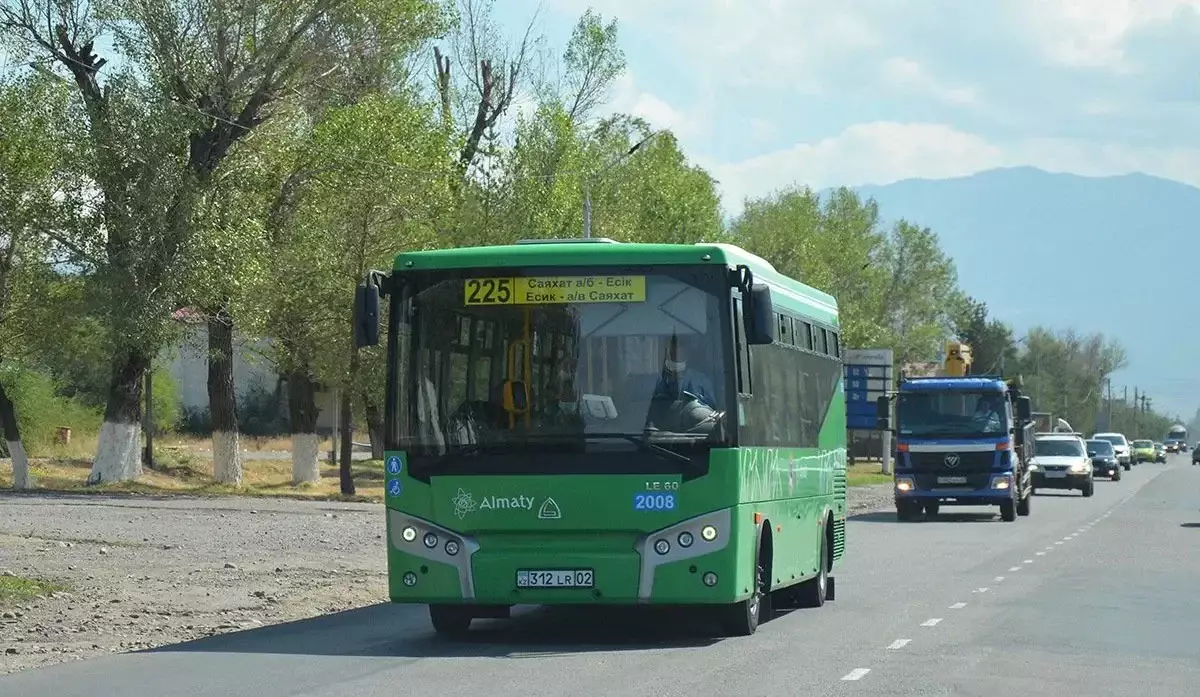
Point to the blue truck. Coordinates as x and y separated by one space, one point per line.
960 441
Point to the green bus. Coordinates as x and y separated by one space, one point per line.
597 422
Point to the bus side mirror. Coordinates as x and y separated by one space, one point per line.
883 408
760 316
366 315
516 397
1024 408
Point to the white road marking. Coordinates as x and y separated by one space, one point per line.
931 622
998 579
980 590
958 606
856 674
1059 542
898 644
1027 561
1015 568
1040 553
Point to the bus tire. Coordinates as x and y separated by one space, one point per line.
453 621
815 591
743 618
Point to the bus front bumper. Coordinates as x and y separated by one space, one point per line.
694 561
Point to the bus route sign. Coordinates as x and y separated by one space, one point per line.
554 290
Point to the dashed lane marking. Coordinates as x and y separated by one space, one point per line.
1027 561
932 622
998 579
856 674
958 606
898 644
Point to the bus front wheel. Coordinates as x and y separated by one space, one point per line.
450 620
742 619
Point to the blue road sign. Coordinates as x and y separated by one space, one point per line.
863 384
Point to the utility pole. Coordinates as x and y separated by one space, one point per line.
587 183
1110 423
1137 416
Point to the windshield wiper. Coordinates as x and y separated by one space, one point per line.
644 443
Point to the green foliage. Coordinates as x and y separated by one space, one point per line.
41 410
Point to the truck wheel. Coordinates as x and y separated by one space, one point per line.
1023 505
907 511
1008 511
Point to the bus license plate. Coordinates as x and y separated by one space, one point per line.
556 578
952 480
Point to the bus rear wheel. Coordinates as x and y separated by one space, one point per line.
814 591
452 621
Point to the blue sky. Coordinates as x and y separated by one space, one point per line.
767 93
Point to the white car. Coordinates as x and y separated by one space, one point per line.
1060 461
1121 445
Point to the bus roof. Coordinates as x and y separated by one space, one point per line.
606 252
944 384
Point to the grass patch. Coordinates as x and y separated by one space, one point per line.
866 474
187 474
16 589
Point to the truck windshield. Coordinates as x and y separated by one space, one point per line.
954 414
632 362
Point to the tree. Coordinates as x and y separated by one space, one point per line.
992 345
192 89
37 191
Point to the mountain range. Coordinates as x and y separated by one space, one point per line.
1116 255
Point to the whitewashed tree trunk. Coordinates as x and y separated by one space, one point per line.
306 458
227 458
118 453
22 477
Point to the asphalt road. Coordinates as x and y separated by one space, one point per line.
1084 597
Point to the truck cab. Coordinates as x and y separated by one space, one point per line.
960 441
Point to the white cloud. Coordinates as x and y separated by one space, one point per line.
912 76
885 152
627 98
1092 33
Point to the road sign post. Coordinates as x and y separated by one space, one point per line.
868 376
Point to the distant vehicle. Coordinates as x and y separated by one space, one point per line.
1196 454
1160 452
1176 440
962 441
1104 459
1061 461
1120 445
1143 451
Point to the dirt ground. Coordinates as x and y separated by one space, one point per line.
137 572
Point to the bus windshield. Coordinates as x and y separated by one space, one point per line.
956 414
610 360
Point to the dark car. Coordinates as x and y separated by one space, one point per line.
1104 459
1196 455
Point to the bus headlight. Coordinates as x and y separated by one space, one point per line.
662 546
409 534
686 539
451 547
430 540
708 533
